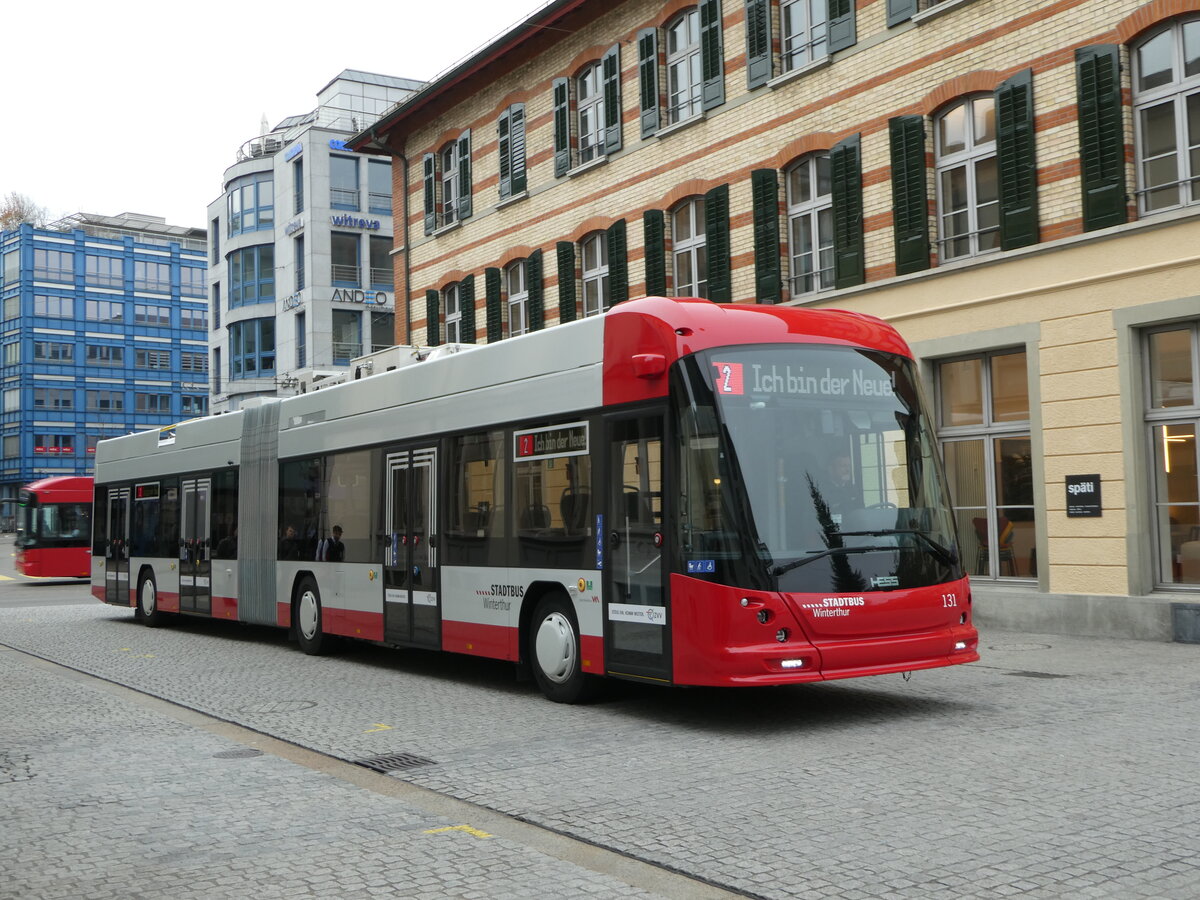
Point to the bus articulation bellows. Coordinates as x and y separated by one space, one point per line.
676 491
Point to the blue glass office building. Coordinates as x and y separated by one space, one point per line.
104 331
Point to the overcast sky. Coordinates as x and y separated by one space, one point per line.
141 105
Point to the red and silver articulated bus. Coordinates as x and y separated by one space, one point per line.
54 528
676 491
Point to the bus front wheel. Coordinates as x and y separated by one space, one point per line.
307 618
554 652
147 602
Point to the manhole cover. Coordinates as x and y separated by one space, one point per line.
244 753
391 762
1018 648
1036 675
278 706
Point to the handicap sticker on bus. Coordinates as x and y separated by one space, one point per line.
697 566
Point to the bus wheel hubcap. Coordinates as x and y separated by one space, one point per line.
149 598
308 614
555 647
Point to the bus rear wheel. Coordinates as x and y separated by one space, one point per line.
306 615
147 602
554 652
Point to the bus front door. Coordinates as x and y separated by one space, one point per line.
116 554
411 584
637 615
195 565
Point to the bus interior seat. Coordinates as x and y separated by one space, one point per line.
534 516
574 506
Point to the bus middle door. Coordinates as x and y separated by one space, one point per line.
637 617
116 554
195 564
411 580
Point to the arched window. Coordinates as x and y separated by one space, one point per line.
1166 100
596 297
689 256
590 94
968 198
516 281
810 224
684 79
448 171
451 302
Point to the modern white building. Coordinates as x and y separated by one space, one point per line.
300 254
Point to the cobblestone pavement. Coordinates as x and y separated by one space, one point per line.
1055 767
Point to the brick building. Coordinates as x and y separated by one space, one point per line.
1012 184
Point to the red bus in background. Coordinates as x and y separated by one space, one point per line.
54 528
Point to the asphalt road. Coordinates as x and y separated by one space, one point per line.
209 759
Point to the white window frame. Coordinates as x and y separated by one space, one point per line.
447 159
589 112
809 40
516 282
685 79
814 214
596 296
452 304
690 251
975 155
1177 93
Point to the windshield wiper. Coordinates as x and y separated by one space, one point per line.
821 554
945 554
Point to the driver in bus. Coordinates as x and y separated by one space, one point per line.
838 489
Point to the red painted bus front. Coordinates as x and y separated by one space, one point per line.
54 532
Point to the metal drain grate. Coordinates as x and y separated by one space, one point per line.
245 753
390 762
1037 675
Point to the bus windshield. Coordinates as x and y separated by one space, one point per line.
819 462
59 524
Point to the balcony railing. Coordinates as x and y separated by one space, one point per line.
344 351
341 198
345 274
381 278
380 203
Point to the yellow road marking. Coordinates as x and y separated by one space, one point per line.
379 726
474 832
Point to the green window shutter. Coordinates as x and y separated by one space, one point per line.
504 152
1016 159
492 304
910 217
610 68
712 54
516 131
849 255
464 175
716 226
562 126
618 264
537 291
433 317
648 80
466 301
764 186
1101 136
566 281
654 236
430 175
841 31
900 11
758 43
